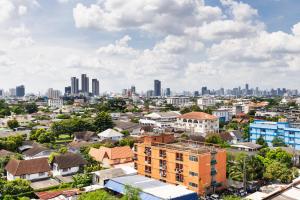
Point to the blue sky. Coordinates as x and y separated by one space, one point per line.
185 43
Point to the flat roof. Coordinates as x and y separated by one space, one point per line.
152 187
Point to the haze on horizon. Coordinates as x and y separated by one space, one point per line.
184 43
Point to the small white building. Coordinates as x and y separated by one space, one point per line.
205 102
160 119
67 164
55 103
223 115
178 101
110 134
198 123
31 170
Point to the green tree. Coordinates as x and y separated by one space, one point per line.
126 142
103 121
277 171
261 141
31 108
13 124
81 180
98 194
231 197
18 109
278 142
214 139
131 193
46 137
15 187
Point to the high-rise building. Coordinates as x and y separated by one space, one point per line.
95 87
168 92
204 90
20 91
53 94
157 88
196 94
1 93
133 90
85 84
68 90
74 85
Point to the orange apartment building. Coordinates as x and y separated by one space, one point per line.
200 167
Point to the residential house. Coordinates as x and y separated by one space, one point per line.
37 152
198 123
71 194
67 164
86 136
110 134
35 169
4 153
112 156
223 115
132 128
160 119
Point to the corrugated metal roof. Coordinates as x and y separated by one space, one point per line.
151 189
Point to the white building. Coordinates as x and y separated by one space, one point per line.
67 164
205 102
198 123
35 169
178 101
223 115
160 119
110 134
55 103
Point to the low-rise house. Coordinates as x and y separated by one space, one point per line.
110 134
198 123
37 152
85 136
160 119
112 156
59 195
67 164
132 128
246 146
223 115
237 136
102 176
35 169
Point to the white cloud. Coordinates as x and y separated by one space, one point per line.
22 10
120 48
21 42
6 10
168 16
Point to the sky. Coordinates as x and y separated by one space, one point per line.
186 44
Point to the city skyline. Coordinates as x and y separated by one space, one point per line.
44 42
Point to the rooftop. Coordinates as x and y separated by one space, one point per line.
189 146
198 116
151 188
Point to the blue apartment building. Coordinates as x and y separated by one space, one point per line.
268 130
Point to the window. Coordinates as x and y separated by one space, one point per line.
23 176
194 158
179 156
193 173
147 169
66 169
193 184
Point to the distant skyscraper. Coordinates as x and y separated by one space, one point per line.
204 90
196 93
85 84
74 85
68 90
20 91
53 94
157 88
95 87
168 92
1 93
133 90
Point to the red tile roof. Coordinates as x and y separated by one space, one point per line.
112 153
22 167
52 194
197 116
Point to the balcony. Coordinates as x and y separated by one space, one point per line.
163 167
163 155
213 162
213 172
163 174
179 159
148 171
